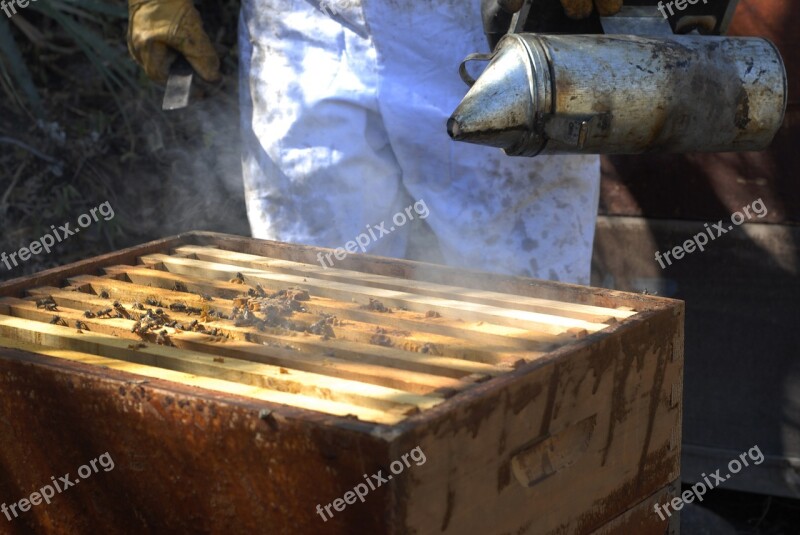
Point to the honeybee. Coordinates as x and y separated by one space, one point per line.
177 307
47 303
258 291
162 338
121 312
44 301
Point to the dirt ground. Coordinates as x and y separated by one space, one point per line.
163 173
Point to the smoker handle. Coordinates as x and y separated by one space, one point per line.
536 462
462 69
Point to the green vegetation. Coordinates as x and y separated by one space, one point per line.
81 125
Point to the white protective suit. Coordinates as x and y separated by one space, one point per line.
344 114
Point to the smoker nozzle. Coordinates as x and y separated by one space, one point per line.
497 108
454 129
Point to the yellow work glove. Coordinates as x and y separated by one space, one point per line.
159 28
580 9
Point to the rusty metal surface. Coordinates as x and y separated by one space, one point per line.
641 520
186 460
533 403
709 186
191 461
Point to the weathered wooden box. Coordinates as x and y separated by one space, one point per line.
265 393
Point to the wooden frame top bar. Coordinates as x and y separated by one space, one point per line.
379 340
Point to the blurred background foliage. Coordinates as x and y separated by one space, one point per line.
81 125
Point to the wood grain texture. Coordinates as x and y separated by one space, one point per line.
532 304
541 408
599 431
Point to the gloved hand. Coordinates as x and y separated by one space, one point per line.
497 13
580 9
159 28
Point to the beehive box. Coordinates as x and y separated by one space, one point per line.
239 386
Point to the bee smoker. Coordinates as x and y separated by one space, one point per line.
624 94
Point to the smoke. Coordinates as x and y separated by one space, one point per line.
197 155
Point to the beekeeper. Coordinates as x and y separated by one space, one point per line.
344 109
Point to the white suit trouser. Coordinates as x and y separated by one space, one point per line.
344 113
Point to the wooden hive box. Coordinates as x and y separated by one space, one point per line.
466 403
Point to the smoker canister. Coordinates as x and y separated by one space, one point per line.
624 94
